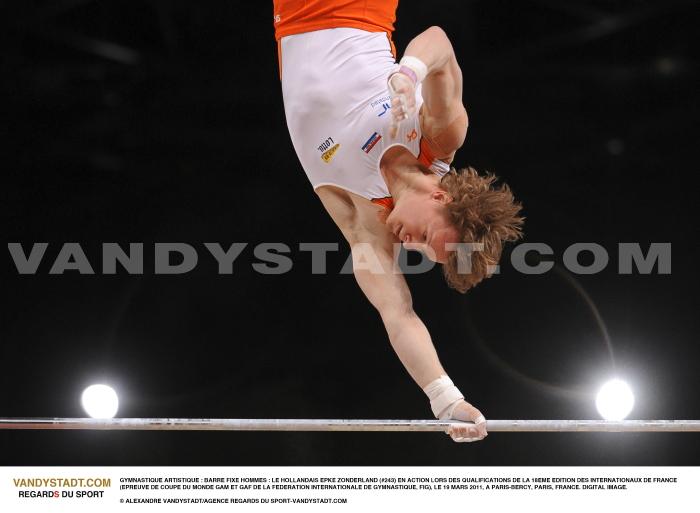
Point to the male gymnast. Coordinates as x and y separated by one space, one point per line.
376 140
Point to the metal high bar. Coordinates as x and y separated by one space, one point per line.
168 424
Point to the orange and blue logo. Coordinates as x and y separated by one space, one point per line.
374 139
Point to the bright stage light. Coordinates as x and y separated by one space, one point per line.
100 401
614 400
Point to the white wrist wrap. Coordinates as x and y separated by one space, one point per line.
415 64
444 396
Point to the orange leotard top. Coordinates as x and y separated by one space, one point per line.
298 16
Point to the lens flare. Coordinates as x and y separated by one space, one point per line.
615 400
100 401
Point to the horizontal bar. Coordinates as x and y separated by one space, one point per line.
166 424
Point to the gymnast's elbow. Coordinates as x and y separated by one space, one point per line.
436 31
397 316
438 37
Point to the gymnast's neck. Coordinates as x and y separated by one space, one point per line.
402 172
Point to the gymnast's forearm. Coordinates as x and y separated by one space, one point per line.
388 292
411 341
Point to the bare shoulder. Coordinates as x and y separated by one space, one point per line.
355 216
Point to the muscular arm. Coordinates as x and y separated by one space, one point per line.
387 290
389 294
442 86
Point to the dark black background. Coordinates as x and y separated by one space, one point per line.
162 121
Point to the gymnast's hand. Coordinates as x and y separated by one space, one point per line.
469 433
403 100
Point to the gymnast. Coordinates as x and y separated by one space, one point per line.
376 139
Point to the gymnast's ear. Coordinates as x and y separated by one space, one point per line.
441 196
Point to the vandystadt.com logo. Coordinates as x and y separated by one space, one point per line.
61 487
276 258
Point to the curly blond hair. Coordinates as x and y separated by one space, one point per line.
484 214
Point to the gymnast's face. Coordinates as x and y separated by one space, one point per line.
420 221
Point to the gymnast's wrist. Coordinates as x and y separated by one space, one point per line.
444 397
413 68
